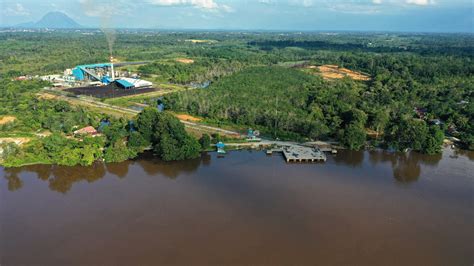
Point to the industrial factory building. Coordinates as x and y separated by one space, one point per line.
101 81
129 83
105 74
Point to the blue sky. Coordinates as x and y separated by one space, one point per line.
301 15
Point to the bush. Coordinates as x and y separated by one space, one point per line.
205 141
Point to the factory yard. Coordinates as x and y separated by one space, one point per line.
108 91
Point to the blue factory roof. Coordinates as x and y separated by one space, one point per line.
124 83
106 80
79 70
94 65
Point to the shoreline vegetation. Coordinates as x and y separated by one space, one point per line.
413 92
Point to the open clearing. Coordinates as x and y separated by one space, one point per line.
6 119
17 141
184 60
336 72
201 41
186 117
47 96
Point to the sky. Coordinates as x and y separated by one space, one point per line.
285 15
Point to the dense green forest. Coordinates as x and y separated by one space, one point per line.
258 80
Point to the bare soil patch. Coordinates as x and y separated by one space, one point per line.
17 141
189 118
201 41
336 72
6 119
185 60
47 96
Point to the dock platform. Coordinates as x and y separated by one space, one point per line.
299 154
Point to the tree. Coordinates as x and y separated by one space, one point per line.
434 141
380 120
114 133
403 133
118 152
354 136
146 122
54 145
167 135
89 154
8 149
136 141
205 141
69 156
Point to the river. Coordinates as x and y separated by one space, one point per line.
358 208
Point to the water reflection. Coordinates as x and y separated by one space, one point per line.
350 158
406 167
65 177
13 180
464 153
119 169
153 166
61 178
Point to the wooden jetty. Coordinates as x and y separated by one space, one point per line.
299 154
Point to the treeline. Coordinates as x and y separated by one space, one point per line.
201 71
288 103
269 45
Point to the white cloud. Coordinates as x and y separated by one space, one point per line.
355 8
403 2
105 8
201 4
17 10
304 3
420 2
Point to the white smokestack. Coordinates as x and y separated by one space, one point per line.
112 68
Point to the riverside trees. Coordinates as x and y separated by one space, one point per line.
167 135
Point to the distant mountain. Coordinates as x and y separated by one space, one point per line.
52 20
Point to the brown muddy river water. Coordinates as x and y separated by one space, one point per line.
358 208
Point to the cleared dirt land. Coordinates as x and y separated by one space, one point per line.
6 119
109 91
17 141
186 117
201 41
336 72
184 60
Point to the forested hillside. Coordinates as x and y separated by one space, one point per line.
284 101
419 88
